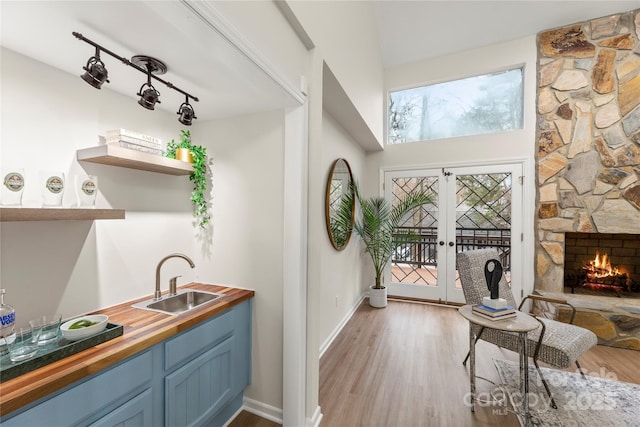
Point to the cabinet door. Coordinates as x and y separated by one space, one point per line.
135 413
195 392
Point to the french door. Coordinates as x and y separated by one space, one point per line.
471 207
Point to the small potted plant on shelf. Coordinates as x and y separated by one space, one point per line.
199 175
377 227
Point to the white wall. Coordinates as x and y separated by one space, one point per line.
341 284
77 266
470 150
330 273
345 39
265 29
345 34
74 267
247 238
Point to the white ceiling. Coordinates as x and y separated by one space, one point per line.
203 63
414 30
199 59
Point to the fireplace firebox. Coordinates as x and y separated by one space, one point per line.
605 264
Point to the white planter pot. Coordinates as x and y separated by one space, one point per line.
377 297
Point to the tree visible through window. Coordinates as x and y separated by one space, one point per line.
477 105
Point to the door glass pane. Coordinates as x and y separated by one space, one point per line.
415 262
483 215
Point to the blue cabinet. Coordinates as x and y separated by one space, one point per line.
196 378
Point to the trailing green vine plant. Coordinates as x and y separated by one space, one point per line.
198 177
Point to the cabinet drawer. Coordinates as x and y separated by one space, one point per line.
136 412
190 343
90 397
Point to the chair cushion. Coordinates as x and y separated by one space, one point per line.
562 343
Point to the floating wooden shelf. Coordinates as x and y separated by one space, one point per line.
55 214
124 157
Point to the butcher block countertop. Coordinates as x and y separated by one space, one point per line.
142 329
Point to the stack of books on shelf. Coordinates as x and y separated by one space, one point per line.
493 313
134 141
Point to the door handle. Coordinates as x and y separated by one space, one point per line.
451 243
441 243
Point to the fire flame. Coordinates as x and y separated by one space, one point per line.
601 267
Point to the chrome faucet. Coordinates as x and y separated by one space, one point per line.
172 282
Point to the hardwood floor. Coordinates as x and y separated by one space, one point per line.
402 366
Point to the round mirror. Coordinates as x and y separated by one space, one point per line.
339 206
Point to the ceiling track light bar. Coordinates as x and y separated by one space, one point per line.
152 65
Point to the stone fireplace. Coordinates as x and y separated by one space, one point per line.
588 146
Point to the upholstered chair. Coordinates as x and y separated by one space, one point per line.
554 343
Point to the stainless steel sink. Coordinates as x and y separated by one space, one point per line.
183 301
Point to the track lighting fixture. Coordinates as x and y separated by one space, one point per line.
186 113
95 71
96 74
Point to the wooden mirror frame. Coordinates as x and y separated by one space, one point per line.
327 203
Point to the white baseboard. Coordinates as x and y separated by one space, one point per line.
271 413
233 417
262 410
325 345
315 420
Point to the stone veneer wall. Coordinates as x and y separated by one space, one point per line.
588 136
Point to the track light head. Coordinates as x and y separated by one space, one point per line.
186 113
95 71
148 97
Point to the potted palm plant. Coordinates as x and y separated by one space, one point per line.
377 227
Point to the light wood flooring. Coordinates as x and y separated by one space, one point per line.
402 366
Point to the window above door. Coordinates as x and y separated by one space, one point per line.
488 103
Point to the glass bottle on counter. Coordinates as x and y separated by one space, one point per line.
8 322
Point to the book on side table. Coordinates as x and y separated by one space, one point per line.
494 313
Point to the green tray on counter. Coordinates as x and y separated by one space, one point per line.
52 353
